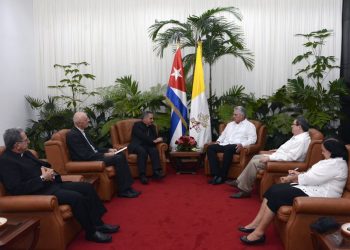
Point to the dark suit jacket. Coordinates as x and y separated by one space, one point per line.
142 135
20 174
79 148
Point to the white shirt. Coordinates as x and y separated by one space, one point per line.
327 178
294 149
243 133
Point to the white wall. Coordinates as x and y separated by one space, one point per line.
17 64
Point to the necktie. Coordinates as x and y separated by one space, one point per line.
93 148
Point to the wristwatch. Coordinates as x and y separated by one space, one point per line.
42 178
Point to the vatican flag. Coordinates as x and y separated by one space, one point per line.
200 127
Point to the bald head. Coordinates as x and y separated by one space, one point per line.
81 120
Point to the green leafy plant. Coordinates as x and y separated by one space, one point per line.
320 104
56 112
73 81
220 37
129 102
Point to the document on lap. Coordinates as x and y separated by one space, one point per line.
120 150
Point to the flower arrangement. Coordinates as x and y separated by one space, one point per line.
186 143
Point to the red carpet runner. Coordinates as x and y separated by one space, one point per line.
181 212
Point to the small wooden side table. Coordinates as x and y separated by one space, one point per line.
19 233
186 162
327 241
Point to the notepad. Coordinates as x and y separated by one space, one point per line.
120 150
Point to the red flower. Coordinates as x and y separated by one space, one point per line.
186 143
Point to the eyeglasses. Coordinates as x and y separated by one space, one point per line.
25 140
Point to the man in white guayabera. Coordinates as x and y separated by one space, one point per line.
293 150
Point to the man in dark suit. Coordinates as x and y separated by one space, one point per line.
23 174
144 139
81 148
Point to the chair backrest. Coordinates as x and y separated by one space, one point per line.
121 131
261 132
346 193
314 154
57 152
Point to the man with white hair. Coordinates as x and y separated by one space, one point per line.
81 148
237 134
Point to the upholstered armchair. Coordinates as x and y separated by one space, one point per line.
240 160
58 156
58 227
293 222
121 137
275 169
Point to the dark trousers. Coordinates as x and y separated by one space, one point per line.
86 205
214 163
142 155
123 175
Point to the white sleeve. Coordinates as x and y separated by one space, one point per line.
319 173
292 151
251 135
223 134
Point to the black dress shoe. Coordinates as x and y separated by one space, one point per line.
245 240
246 230
108 229
128 194
158 174
219 180
240 195
135 191
211 181
99 237
143 180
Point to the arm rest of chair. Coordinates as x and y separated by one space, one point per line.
75 178
205 147
283 167
27 203
162 147
251 149
326 206
84 166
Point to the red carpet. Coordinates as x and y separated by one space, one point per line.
181 212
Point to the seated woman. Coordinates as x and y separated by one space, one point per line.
327 178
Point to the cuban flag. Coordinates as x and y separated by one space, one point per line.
176 98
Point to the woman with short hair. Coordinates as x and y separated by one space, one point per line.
327 178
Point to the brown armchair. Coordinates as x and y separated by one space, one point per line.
275 169
58 156
240 160
293 222
58 227
121 137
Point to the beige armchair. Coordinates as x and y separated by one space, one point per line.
58 156
58 227
293 222
121 137
240 161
